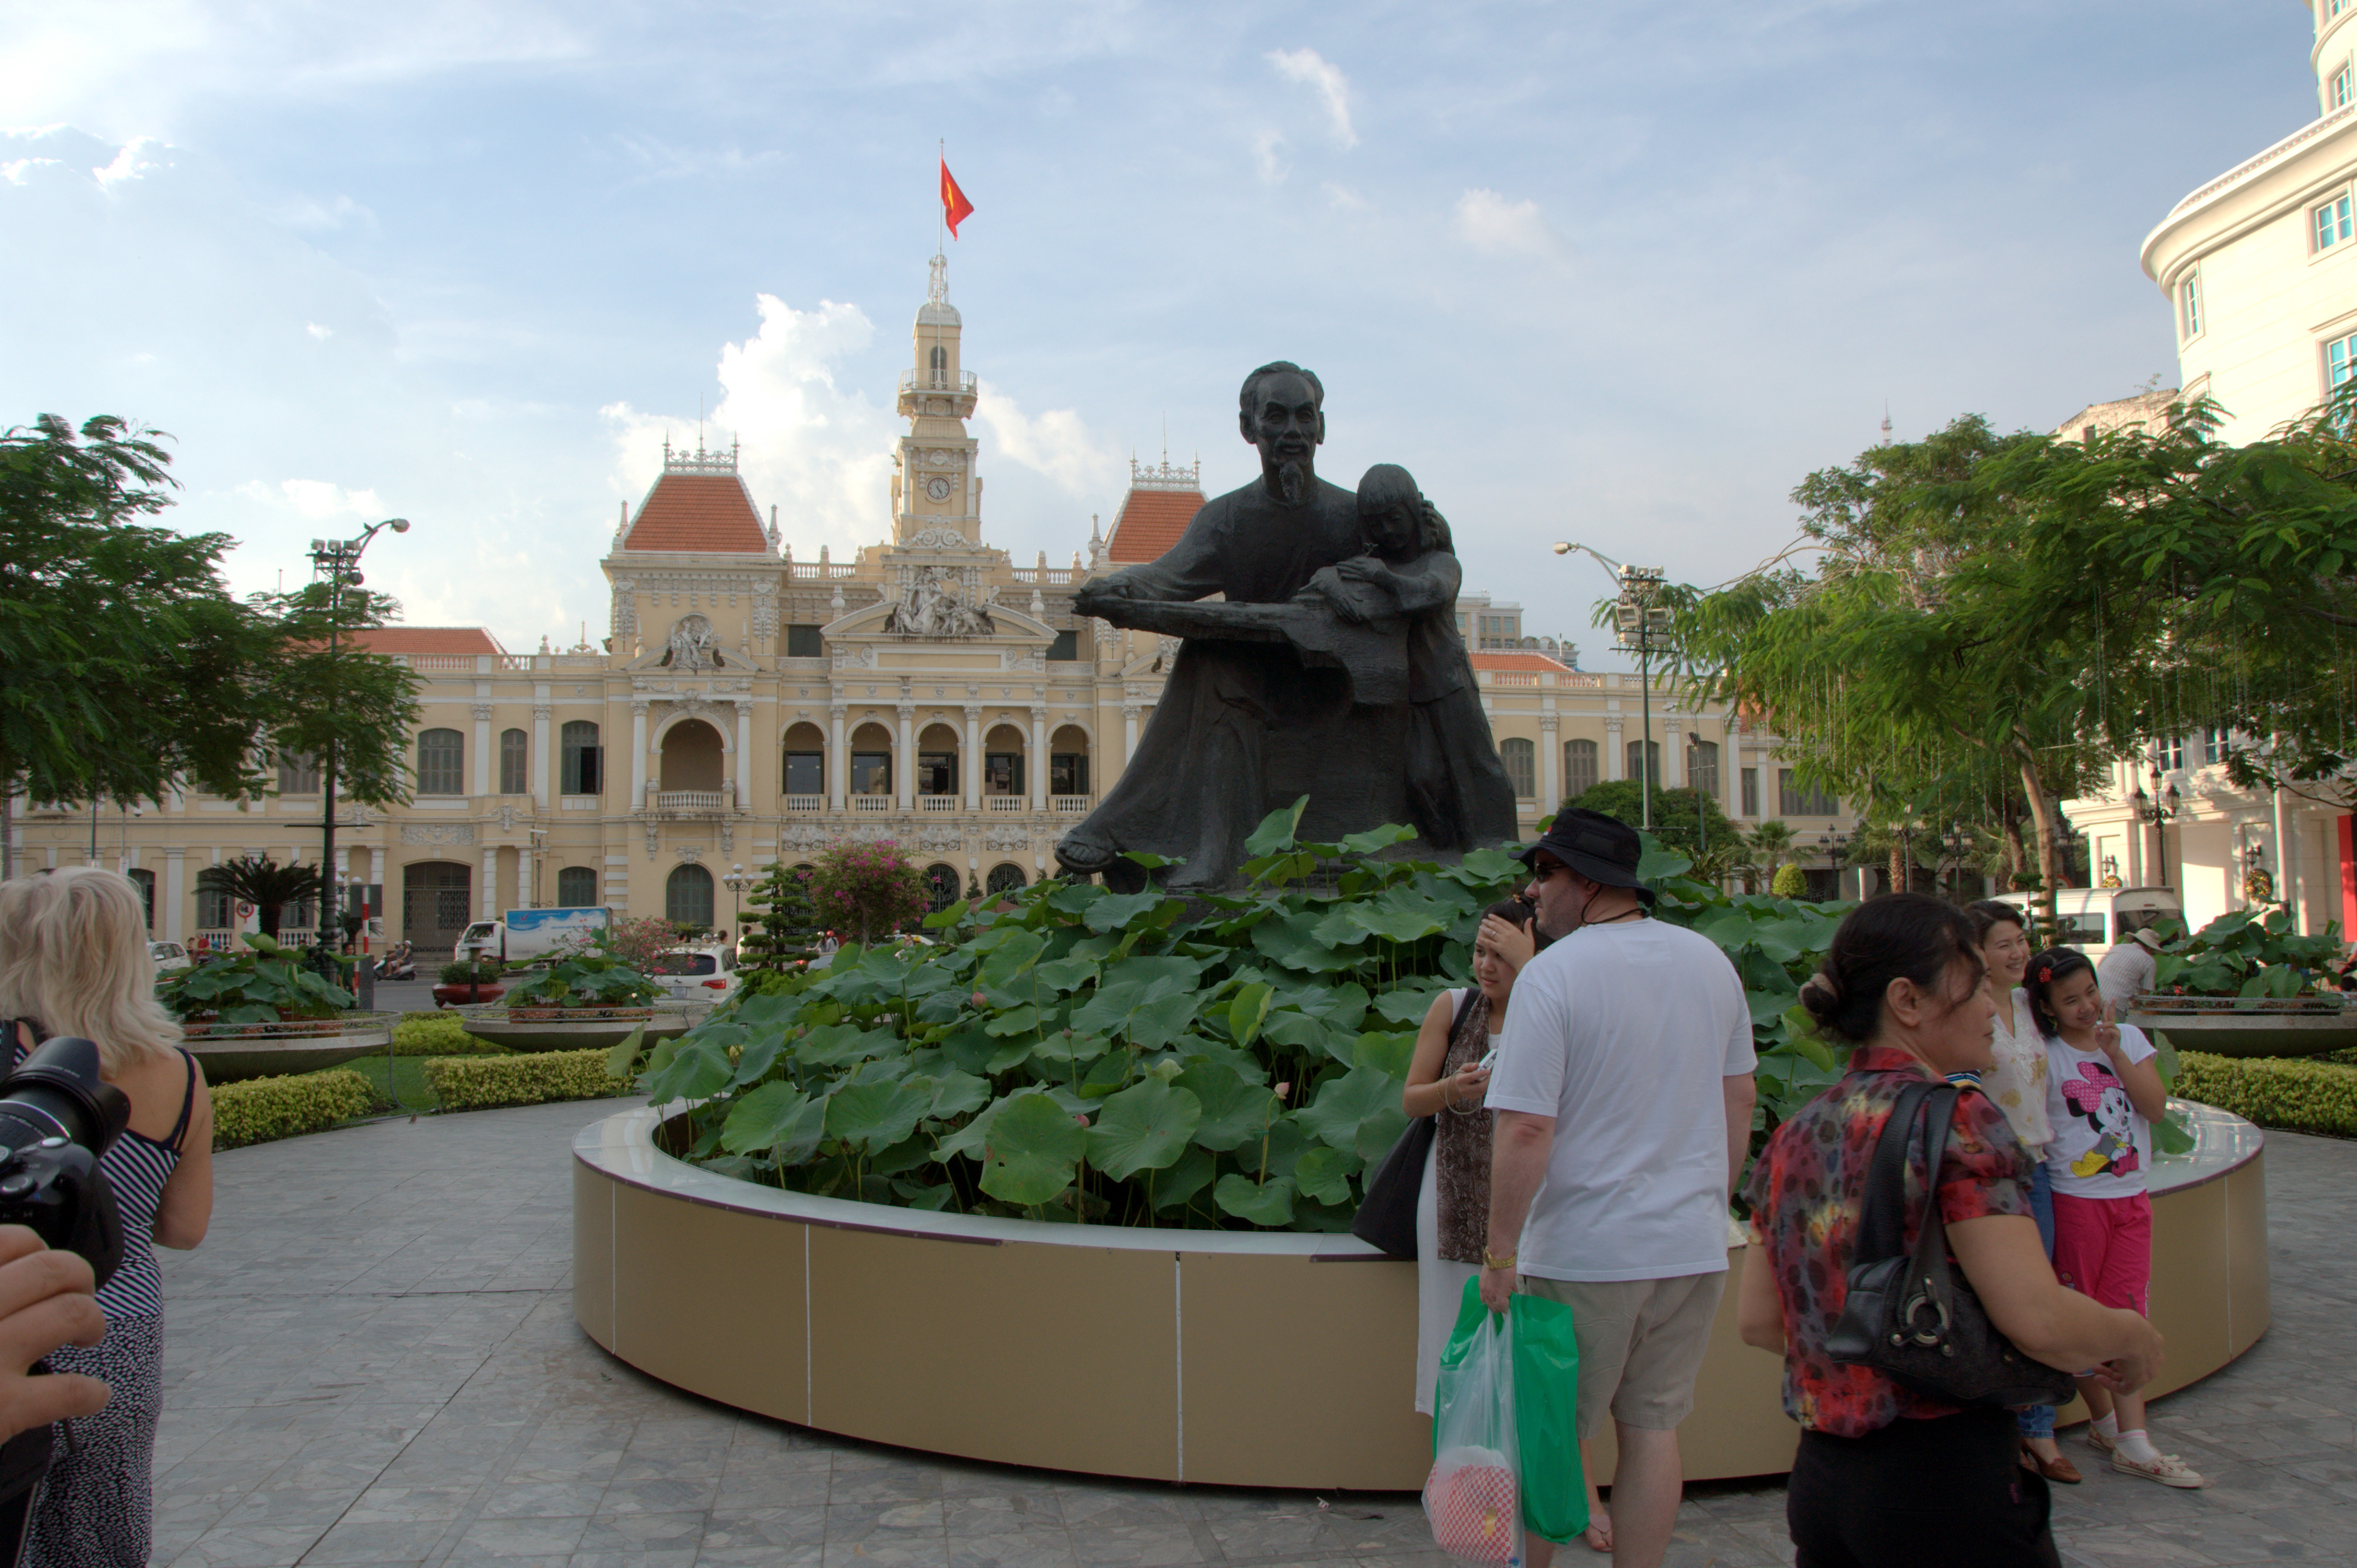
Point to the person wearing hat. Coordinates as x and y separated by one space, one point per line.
2127 971
1623 1096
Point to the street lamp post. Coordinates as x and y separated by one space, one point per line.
1635 618
2157 810
339 559
738 879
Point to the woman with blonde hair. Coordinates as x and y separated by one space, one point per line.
74 961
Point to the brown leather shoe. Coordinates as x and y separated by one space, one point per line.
2057 1469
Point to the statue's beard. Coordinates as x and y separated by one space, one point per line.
1292 481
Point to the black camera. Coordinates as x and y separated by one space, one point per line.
57 1117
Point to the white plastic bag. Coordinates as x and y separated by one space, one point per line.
1473 1497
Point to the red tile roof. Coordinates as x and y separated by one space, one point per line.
1501 660
1150 524
698 512
428 640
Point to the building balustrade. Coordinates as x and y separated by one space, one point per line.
695 800
1072 805
936 804
871 802
1006 803
805 802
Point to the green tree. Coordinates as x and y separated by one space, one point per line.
1789 882
782 928
263 883
1687 821
330 698
869 888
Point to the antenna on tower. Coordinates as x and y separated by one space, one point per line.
1886 422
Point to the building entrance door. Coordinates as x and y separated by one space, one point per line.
434 905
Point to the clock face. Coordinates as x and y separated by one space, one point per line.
937 487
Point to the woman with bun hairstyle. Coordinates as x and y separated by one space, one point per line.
2102 1096
1886 1475
2016 1082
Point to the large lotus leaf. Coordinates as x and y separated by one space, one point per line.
1385 1053
1161 1020
1292 941
1021 1020
944 918
1070 1045
1035 1146
1073 898
1182 1181
698 1070
1115 911
754 1011
1144 1128
1010 1056
619 1059
888 1069
953 1094
966 1047
1299 1031
1337 929
875 1116
1364 1099
760 1055
1162 976
1247 1011
1230 1110
1402 917
1014 954
1658 862
836 1043
1409 1004
1276 830
1065 975
1269 1204
1342 1006
1374 840
776 1116
1198 1049
1325 1174
1110 1073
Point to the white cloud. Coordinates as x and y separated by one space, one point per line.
1497 227
821 456
317 332
1267 146
314 500
1342 199
1313 70
1056 444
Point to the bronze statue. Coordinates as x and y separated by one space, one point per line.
1332 669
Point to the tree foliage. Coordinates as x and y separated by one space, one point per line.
1687 821
263 883
330 698
868 890
783 925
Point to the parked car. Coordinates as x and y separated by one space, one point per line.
2095 918
698 974
169 957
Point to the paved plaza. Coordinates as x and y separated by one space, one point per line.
373 1359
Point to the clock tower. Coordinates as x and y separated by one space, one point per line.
935 486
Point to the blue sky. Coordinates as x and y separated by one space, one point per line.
1615 272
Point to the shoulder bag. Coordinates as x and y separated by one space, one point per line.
1916 1319
1387 1217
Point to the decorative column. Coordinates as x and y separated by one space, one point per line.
1671 771
490 883
638 754
1128 739
482 748
1035 761
745 754
838 766
172 894
1616 755
1550 763
541 715
970 764
904 765
1730 769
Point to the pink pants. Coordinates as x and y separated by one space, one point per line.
2103 1249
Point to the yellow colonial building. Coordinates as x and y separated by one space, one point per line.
750 706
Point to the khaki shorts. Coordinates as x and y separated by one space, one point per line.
1641 1345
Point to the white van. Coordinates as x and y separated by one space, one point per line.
2095 918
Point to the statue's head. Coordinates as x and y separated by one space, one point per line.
1280 412
1395 519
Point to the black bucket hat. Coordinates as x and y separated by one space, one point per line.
1602 849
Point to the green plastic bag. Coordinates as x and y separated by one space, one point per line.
1546 1398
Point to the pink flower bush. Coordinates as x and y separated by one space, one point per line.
870 888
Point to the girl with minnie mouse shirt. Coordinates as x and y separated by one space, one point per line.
2103 1094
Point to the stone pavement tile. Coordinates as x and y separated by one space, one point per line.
513 1498
767 1529
357 1541
1280 1535
1026 1549
2225 1537
248 1546
503 1538
901 1481
1169 1544
768 1488
893 1516
640 1532
2126 1546
1115 1505
292 1508
911 1550
1009 1512
398 1504
675 1493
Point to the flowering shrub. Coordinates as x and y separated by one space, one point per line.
637 944
868 890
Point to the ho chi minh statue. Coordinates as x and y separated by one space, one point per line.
1331 670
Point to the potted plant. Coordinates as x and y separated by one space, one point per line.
464 983
2247 984
582 985
265 987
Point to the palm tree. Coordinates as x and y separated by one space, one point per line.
264 884
1768 845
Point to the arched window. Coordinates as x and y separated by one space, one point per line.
583 760
576 887
1578 768
1067 761
1005 878
940 360
687 897
805 774
1002 761
515 759
1520 756
937 760
1701 766
942 887
441 762
298 773
871 760
146 881
1641 754
692 758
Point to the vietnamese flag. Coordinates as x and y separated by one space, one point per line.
955 208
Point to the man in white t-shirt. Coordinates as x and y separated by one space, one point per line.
1623 1094
2127 971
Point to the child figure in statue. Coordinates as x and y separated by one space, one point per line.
1410 570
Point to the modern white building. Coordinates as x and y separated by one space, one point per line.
2259 266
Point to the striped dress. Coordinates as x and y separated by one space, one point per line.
96 1508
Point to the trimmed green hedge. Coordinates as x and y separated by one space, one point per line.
479 1083
263 1109
438 1035
2295 1094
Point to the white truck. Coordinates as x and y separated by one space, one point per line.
519 936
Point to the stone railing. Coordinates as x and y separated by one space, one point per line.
936 804
871 802
695 800
805 802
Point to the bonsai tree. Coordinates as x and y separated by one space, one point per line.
782 927
263 883
868 888
1789 882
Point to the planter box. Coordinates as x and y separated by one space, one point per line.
284 1030
266 1050
466 995
528 1014
2232 1026
571 1028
